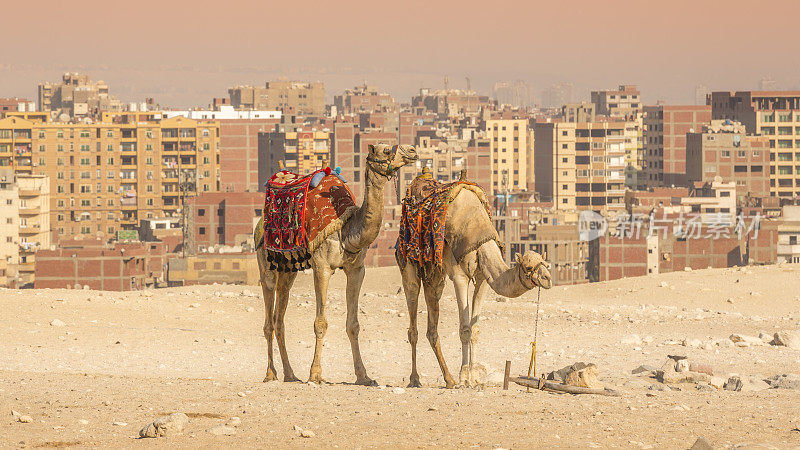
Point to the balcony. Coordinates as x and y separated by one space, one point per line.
30 229
128 202
30 211
30 192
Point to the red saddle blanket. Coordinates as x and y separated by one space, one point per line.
297 218
422 226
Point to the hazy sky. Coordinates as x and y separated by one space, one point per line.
185 52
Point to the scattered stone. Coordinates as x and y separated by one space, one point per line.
717 382
705 387
83 422
57 323
663 284
24 419
701 444
307 434
222 430
682 366
644 369
752 340
695 343
501 299
241 394
789 339
586 377
701 368
234 422
15 414
165 426
687 269
120 424
751 384
785 381
561 374
398 390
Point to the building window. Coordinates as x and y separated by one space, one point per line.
201 230
220 230
201 212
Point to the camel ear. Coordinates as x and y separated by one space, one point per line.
518 258
544 256
371 148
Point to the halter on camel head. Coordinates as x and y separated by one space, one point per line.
381 158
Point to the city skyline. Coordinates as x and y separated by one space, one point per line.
181 65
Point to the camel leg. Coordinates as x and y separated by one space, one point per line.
268 289
433 291
355 277
477 302
322 274
284 283
461 284
411 288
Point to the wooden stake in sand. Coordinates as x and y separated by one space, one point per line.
506 375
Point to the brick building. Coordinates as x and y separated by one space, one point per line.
624 102
300 149
724 149
665 128
363 99
776 115
122 267
222 219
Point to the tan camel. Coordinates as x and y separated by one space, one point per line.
343 249
467 221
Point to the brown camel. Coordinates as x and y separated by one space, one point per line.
343 249
467 224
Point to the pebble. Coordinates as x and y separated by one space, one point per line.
398 390
307 434
57 323
25 419
120 424
165 426
233 422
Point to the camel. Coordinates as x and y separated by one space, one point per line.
484 266
343 249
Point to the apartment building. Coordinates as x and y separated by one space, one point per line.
724 149
289 97
363 99
452 103
580 165
34 222
238 142
299 149
517 93
557 94
665 128
9 226
107 175
776 115
16 104
510 144
76 96
624 102
578 112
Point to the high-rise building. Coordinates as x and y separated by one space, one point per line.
557 95
517 93
451 103
363 99
509 141
299 149
76 96
665 128
24 224
9 227
701 94
248 97
581 165
724 149
776 115
107 175
578 112
622 102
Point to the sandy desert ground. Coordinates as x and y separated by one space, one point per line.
119 360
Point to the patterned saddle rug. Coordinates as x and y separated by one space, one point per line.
422 225
299 217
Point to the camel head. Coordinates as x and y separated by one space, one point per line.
386 160
533 270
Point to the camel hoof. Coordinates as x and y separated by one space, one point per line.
449 384
414 383
316 378
291 379
366 381
270 377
